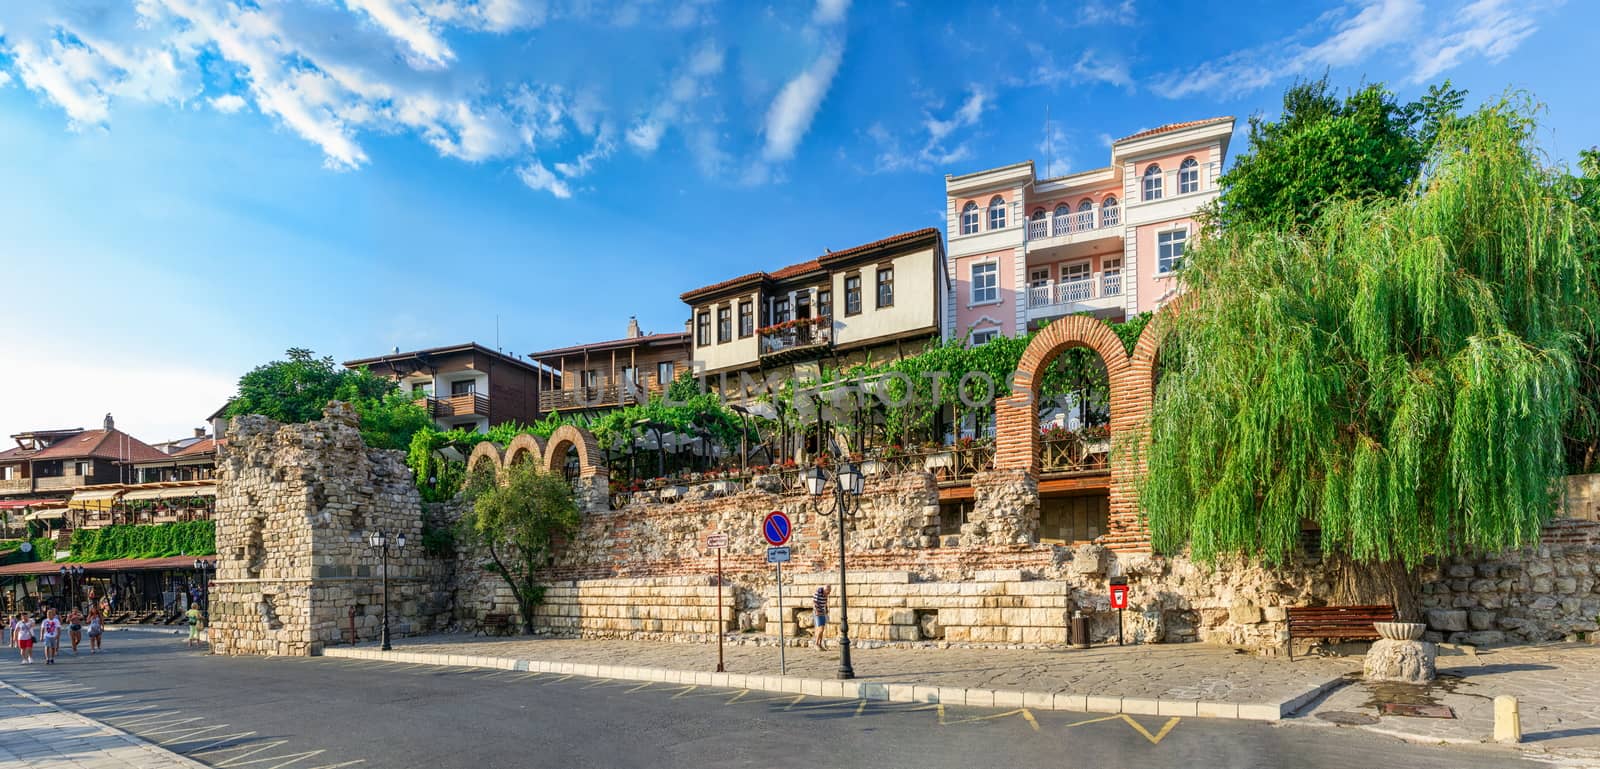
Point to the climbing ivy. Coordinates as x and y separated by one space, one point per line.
144 541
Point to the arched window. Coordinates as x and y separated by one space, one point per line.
1188 176
1152 182
1086 205
1109 212
969 218
1038 214
1063 210
1062 223
1085 218
997 213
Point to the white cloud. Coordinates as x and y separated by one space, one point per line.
1052 147
405 23
1488 28
1093 66
796 104
5 79
1378 25
690 85
933 147
1107 13
228 103
830 11
536 176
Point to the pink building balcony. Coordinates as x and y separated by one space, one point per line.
1060 297
1059 225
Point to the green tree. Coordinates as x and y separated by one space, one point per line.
1396 374
519 523
298 388
1323 149
1583 431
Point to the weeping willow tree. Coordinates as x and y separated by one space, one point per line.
1395 374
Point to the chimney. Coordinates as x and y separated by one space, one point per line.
633 327
110 424
199 432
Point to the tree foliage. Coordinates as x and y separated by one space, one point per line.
519 522
1396 374
159 540
1583 430
1323 149
298 388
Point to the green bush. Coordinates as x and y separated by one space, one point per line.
147 541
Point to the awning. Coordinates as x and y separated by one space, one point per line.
13 504
182 492
49 513
97 499
185 562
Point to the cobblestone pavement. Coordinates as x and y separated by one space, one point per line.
1554 684
34 734
1167 671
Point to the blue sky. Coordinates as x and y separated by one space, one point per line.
192 186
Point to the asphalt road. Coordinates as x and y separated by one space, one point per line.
325 713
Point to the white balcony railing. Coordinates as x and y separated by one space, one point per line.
1077 221
1066 292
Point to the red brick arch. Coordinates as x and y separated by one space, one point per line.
524 448
485 455
566 437
1017 421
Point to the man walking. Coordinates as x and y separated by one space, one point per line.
819 614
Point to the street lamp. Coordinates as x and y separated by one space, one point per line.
847 483
202 565
71 577
744 435
382 542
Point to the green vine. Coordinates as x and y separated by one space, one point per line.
144 541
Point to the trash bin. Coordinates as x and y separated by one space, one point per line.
1080 630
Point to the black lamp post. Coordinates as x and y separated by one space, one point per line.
847 483
744 435
71 577
204 566
382 543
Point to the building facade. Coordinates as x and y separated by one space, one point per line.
46 462
1025 250
187 459
466 386
877 301
604 375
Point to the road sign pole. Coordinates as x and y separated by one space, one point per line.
1119 627
783 624
718 625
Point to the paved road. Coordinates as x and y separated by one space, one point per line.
311 713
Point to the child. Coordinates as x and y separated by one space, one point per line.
50 629
195 623
24 634
95 630
75 629
11 630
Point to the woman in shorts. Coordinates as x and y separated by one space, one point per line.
75 629
96 628
196 622
24 635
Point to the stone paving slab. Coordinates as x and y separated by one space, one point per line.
1177 679
36 735
1555 685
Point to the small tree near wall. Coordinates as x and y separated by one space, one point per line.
519 522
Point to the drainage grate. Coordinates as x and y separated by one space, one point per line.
1416 711
1348 718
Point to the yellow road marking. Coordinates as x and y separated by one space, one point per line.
1155 739
861 707
641 687
1024 712
796 701
685 690
559 680
737 697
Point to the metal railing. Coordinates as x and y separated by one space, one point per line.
1076 221
1111 284
1051 293
804 335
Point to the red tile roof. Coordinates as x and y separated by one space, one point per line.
117 564
207 446
102 444
812 265
671 337
1174 127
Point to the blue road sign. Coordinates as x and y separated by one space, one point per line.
777 555
776 528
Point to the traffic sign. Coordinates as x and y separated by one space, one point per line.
777 555
1119 596
716 541
776 528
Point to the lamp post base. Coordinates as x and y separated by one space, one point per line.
846 670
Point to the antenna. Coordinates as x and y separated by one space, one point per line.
497 333
1048 155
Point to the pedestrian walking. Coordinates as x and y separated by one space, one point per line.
819 615
11 629
75 629
50 633
96 628
195 623
24 636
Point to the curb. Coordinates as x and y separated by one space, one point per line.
883 691
131 739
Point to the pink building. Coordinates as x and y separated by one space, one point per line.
1024 251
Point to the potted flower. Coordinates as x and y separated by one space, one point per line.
1096 439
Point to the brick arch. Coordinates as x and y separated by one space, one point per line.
1147 352
1017 421
568 436
485 451
524 448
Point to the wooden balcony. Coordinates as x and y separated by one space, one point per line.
781 345
16 486
59 482
464 405
604 396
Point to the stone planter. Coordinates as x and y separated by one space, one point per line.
1400 631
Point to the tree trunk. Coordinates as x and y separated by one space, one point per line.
1360 584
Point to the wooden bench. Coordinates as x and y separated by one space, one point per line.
1346 623
495 624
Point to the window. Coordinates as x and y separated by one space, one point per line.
1064 520
591 379
852 294
82 468
419 389
1085 215
1111 277
780 310
1152 182
1188 177
997 213
825 303
463 388
985 280
724 324
969 218
630 376
747 320
985 336
802 304
8 473
664 372
1169 250
885 287
702 328
1109 213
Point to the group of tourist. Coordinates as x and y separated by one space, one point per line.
22 632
